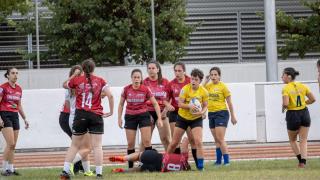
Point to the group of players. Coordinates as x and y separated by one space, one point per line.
151 102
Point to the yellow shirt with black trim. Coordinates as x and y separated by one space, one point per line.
296 92
187 93
217 96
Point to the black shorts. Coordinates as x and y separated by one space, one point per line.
85 121
133 121
298 118
154 116
10 119
218 119
184 124
64 123
173 116
151 161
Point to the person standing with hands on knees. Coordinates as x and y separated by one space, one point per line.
10 106
88 115
298 119
219 97
136 115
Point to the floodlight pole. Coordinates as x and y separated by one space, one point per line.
37 34
153 32
271 40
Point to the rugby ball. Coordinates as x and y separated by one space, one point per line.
196 103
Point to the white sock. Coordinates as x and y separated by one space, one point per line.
66 167
77 158
98 169
86 165
4 165
10 167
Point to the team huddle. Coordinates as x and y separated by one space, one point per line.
173 107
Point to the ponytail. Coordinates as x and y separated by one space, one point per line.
88 68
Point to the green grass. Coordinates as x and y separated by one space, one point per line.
260 169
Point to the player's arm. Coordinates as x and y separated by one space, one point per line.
230 106
157 109
168 105
285 103
311 98
120 111
106 90
168 99
1 121
65 83
22 114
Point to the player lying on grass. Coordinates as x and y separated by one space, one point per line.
153 161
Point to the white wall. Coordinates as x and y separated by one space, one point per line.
43 106
275 119
120 76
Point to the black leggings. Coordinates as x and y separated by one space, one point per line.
64 123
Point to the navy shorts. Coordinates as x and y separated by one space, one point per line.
10 119
218 119
184 123
154 116
173 116
139 120
296 119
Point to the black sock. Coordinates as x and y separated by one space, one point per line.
130 151
304 161
177 150
194 154
299 158
148 148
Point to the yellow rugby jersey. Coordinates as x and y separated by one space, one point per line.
187 94
217 96
296 92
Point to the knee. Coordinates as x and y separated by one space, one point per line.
165 140
292 140
11 146
174 143
191 141
86 151
219 141
198 143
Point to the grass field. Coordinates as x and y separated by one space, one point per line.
260 169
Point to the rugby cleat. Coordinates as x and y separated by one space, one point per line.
118 170
116 159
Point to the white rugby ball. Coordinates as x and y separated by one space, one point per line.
196 103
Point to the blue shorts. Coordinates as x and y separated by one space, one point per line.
218 119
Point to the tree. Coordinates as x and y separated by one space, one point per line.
300 35
109 31
7 7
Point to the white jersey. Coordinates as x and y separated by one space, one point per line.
72 101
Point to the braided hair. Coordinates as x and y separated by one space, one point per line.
88 66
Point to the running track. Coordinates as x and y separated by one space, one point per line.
237 152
